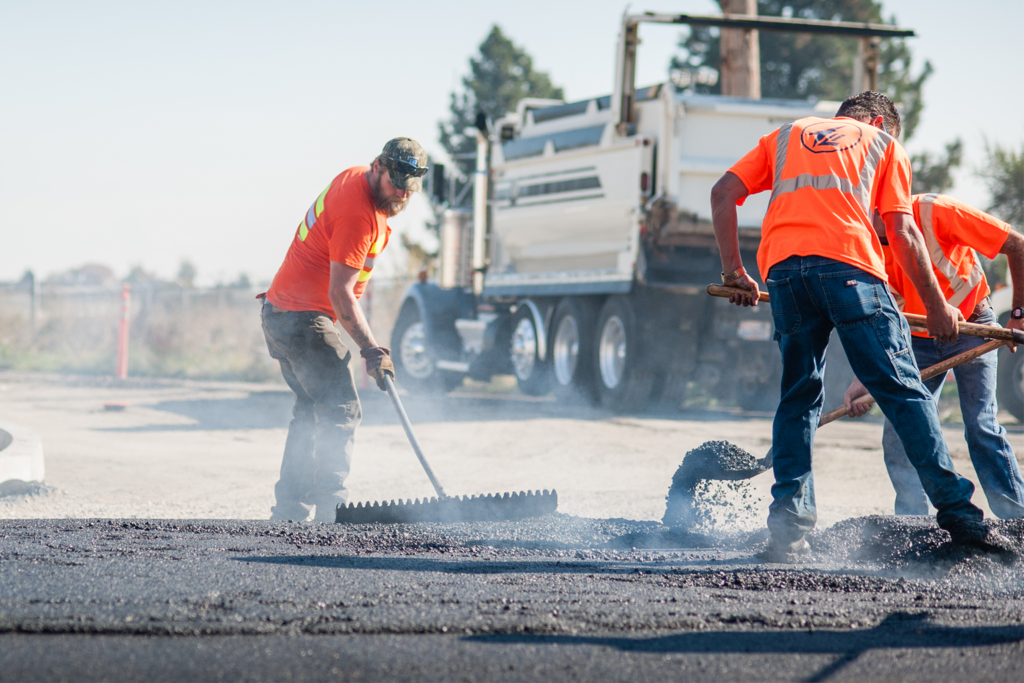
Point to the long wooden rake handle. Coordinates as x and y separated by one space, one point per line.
918 322
926 374
413 441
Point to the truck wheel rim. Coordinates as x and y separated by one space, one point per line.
612 351
524 349
413 350
566 351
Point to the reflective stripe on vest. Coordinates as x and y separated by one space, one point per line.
375 249
314 212
961 288
861 191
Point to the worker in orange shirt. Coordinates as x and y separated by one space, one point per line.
823 265
953 231
324 274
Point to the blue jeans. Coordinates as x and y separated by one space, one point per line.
993 458
810 296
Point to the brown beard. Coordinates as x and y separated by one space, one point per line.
388 205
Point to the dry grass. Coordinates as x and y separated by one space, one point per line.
197 335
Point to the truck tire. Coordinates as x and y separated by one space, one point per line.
572 349
623 381
414 359
1010 385
533 374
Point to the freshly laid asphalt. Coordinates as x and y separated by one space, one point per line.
555 598
173 597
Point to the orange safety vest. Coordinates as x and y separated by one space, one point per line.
317 208
826 176
957 280
952 232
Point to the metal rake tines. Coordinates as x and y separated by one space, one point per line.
492 507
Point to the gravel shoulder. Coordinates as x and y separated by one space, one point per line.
211 450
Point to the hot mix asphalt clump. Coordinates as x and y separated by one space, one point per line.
709 504
697 499
917 546
553 574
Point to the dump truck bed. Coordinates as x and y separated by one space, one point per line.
571 198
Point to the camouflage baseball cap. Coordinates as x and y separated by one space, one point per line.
406 163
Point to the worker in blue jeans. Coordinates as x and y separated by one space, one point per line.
810 296
953 230
991 454
823 265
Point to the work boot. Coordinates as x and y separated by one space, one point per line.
297 512
978 534
326 506
779 552
325 513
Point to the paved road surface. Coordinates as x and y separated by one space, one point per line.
559 598
578 596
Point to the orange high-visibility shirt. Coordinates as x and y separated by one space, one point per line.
343 224
952 231
827 176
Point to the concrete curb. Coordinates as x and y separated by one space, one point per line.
21 454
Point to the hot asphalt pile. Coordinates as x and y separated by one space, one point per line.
695 494
556 574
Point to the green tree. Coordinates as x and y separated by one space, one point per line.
500 75
1004 174
803 66
935 173
187 274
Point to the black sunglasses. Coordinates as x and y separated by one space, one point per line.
404 167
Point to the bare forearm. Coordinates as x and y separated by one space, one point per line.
723 218
727 237
350 315
1014 250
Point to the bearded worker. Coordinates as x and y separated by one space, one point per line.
324 274
823 265
954 232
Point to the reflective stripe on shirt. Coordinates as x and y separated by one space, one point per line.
371 258
961 288
315 209
862 191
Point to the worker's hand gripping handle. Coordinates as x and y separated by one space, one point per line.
926 374
726 292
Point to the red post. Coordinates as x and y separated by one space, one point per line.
122 333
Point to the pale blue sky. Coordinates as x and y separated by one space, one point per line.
144 133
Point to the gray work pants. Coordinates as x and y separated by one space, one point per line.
321 436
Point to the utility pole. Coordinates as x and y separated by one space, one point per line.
741 53
33 298
865 67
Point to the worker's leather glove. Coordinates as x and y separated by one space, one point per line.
378 364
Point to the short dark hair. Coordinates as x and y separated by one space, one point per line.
870 104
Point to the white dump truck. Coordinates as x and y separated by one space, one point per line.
583 265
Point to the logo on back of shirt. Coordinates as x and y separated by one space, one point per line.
830 136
